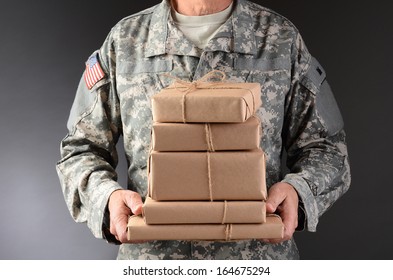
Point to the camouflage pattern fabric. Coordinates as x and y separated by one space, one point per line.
299 114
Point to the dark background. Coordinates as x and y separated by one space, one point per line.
43 46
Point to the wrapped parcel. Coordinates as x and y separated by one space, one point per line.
203 212
207 103
235 175
137 229
172 137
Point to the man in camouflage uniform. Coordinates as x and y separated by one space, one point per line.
299 114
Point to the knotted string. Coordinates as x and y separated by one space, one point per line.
186 87
204 82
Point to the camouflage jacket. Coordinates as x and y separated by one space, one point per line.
299 115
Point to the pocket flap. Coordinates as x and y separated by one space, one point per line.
150 65
267 64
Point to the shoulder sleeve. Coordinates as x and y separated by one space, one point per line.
87 93
325 104
314 139
88 152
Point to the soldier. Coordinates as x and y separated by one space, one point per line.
187 39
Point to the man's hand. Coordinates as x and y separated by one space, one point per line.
122 204
284 201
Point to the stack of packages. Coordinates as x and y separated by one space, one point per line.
206 170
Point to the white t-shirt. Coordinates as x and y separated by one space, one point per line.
200 29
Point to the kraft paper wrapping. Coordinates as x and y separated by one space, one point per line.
203 212
137 229
171 137
207 103
237 175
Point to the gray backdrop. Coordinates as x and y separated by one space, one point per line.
43 46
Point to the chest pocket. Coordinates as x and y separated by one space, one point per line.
274 76
142 75
137 81
261 69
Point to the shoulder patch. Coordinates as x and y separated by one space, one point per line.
316 73
328 109
314 77
93 72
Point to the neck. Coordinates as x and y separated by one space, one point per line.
199 7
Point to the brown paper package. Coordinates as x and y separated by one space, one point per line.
238 175
170 137
137 229
221 102
203 212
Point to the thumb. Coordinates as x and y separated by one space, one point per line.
134 202
275 198
270 207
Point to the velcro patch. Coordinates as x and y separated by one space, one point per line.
316 73
328 110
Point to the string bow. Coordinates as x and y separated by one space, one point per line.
205 82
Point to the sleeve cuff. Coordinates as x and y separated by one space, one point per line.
107 235
302 219
99 202
307 207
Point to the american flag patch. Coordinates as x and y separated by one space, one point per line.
93 73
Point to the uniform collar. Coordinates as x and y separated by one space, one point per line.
237 31
243 20
158 30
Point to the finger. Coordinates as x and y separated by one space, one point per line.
273 240
290 222
120 228
275 198
289 214
276 240
134 202
137 209
124 239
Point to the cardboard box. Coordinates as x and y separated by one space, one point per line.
207 103
237 175
169 137
203 212
137 229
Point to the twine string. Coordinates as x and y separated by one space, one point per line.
228 232
209 177
186 87
209 137
225 212
205 82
